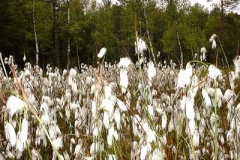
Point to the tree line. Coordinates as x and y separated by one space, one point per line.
67 33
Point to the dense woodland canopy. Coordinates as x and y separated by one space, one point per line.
67 33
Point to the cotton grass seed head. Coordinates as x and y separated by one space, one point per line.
102 52
203 50
140 45
236 62
184 76
123 80
214 44
214 72
124 62
14 104
10 134
24 130
212 37
151 71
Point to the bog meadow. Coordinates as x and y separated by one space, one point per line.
134 81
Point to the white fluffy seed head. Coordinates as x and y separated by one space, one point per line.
24 130
121 105
207 100
151 71
184 76
212 37
123 80
203 50
214 72
190 108
14 104
140 46
10 134
124 62
72 73
102 52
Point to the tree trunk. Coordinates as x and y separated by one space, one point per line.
238 49
79 66
55 32
222 25
69 42
35 36
149 39
179 43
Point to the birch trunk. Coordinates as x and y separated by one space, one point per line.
54 5
149 38
35 36
69 43
179 43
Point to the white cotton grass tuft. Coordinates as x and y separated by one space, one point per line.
203 50
24 57
143 153
123 80
106 120
58 142
164 120
151 111
117 118
107 105
124 62
151 136
102 52
151 71
10 134
72 73
214 44
14 104
19 144
121 105
212 39
203 54
45 119
24 130
184 77
206 98
107 91
190 114
236 62
96 147
112 133
196 138
140 46
191 125
214 72
111 157
94 109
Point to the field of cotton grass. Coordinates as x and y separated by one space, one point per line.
120 111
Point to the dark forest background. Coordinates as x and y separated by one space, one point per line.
71 32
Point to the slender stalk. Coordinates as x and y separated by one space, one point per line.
3 65
223 52
215 126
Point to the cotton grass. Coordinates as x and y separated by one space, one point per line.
122 112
